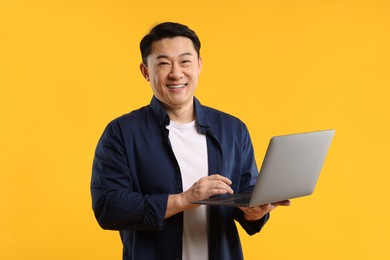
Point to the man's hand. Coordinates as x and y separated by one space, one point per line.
207 187
203 189
256 213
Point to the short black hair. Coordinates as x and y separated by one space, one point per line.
167 30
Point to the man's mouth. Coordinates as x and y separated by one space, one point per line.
176 86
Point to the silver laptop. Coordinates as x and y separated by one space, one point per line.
290 169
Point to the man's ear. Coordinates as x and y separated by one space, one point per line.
144 71
200 64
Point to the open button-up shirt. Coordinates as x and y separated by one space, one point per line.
135 170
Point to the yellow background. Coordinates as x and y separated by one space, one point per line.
68 67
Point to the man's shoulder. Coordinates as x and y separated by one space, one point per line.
132 118
135 114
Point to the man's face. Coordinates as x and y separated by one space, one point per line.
173 70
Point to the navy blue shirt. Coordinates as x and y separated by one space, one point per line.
135 170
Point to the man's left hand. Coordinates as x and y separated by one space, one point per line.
256 213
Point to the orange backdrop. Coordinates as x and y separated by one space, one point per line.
68 67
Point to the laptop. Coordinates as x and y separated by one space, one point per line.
291 167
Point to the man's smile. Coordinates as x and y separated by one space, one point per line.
176 86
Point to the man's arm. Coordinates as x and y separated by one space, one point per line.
116 204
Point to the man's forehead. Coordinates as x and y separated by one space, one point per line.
177 46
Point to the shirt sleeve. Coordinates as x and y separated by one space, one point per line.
115 203
249 174
250 227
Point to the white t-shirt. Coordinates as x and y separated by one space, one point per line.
190 149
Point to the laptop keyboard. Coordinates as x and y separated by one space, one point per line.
236 198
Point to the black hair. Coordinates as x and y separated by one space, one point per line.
167 30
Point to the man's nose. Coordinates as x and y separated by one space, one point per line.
176 71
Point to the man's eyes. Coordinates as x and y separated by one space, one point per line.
162 64
165 63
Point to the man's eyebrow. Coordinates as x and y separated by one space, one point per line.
163 56
186 54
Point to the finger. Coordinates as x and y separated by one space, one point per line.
216 187
263 208
282 203
220 177
213 183
220 191
205 189
255 213
250 210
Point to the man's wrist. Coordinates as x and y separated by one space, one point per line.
178 203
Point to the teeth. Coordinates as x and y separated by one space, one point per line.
176 86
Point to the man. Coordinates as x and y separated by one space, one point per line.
151 164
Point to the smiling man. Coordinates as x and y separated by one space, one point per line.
151 164
172 68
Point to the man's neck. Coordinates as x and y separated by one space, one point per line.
182 115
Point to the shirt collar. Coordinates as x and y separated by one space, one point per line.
159 111
163 118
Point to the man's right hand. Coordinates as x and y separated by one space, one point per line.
202 189
208 186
